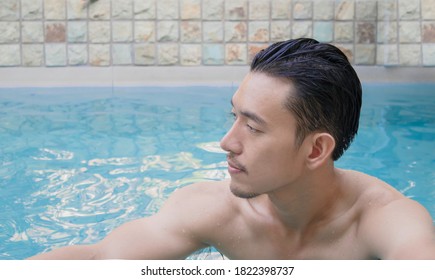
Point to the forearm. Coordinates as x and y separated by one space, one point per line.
75 252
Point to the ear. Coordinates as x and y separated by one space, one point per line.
322 146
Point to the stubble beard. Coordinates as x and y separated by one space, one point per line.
242 194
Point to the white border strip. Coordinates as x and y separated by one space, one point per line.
219 270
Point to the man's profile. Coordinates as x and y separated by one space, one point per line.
295 113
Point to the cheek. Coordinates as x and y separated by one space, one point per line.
279 157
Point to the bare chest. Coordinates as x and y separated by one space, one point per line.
339 243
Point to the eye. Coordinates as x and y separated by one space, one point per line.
253 130
233 115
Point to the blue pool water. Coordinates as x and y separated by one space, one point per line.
77 162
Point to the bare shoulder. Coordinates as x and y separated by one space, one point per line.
208 194
199 206
393 226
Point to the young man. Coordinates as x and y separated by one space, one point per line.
295 113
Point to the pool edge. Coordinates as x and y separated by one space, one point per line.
120 76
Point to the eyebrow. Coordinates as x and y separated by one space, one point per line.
252 116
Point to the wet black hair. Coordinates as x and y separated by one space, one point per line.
328 91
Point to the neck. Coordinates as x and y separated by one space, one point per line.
311 201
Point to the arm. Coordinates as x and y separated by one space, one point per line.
167 235
402 229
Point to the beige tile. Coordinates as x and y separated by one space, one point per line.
99 54
410 54
33 55
235 54
144 54
190 9
190 54
236 9
168 54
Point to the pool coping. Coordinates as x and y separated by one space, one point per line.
125 76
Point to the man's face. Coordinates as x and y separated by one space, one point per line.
262 155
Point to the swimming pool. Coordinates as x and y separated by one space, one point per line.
77 162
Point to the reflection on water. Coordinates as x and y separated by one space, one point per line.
74 166
84 203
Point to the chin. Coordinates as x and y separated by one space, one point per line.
241 192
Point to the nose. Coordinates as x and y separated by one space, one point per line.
231 141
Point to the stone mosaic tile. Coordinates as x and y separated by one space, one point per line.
32 32
428 54
167 31
281 9
9 10
409 32
190 54
366 10
31 10
344 10
77 32
410 54
144 31
99 55
167 9
387 32
76 10
77 54
280 30
236 54
365 32
323 10
236 31
259 31
122 9
302 29
100 10
428 32
10 55
144 9
167 54
9 32
122 54
213 54
191 31
387 10
122 31
365 54
302 10
99 31
33 55
387 55
323 31
236 9
144 54
190 9
409 9
428 9
54 10
55 55
259 10
55 32
344 32
212 10
212 31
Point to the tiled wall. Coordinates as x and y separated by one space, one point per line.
40 33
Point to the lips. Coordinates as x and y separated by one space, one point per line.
235 167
